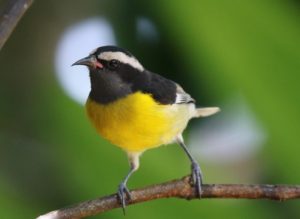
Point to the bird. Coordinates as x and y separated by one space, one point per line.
137 110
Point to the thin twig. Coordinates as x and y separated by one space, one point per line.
180 188
10 18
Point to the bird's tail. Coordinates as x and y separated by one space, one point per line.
207 111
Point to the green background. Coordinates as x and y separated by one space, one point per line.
50 156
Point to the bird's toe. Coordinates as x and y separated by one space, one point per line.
197 178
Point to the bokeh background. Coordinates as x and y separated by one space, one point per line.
240 55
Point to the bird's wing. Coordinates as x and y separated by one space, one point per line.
165 91
182 96
161 89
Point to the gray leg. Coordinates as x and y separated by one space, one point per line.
196 171
123 190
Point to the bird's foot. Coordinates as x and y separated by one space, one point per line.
122 193
197 178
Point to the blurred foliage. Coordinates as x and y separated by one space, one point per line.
50 156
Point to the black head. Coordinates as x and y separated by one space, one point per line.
110 58
113 72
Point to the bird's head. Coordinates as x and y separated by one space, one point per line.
114 73
111 59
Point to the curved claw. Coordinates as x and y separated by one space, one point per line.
197 178
122 192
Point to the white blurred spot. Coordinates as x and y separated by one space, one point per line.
233 135
76 43
146 30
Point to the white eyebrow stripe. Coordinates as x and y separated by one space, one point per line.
122 57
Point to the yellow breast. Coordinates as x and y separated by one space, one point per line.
137 122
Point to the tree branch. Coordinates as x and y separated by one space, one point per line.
180 188
10 18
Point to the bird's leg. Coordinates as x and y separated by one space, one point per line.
196 171
123 191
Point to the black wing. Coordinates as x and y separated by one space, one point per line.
163 90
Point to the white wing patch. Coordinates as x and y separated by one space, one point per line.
183 98
122 57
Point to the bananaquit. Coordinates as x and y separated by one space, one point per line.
136 109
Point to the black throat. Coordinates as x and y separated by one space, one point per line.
107 87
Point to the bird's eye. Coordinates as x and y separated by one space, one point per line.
113 64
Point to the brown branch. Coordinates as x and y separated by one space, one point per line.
10 18
180 189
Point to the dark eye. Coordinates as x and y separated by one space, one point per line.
113 64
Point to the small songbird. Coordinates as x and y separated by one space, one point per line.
136 109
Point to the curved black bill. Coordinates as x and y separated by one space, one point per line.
88 61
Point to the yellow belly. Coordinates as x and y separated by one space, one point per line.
137 123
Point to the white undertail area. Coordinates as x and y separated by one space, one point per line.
134 159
